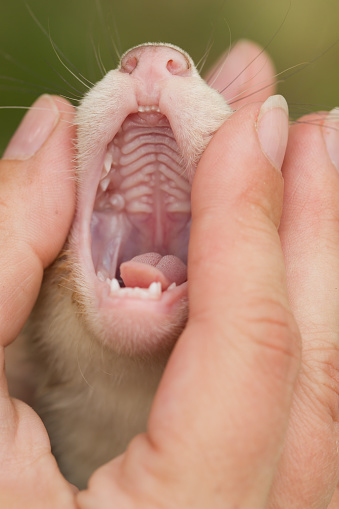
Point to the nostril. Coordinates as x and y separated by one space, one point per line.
128 64
177 66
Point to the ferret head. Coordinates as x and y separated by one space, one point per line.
141 132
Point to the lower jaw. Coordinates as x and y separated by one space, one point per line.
131 326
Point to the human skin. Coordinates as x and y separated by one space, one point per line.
241 418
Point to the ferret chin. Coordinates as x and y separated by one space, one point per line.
115 301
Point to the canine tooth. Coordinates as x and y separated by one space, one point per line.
107 163
114 284
104 183
155 288
172 286
141 109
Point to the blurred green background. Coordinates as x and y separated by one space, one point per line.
80 28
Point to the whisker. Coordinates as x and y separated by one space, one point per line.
26 108
80 369
69 98
102 359
98 60
315 123
101 62
263 50
107 32
306 64
217 72
23 108
68 69
57 51
201 62
240 96
19 64
302 66
80 94
117 47
32 87
200 65
307 108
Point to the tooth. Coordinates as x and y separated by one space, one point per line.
114 285
172 286
107 164
139 291
126 292
100 276
141 109
104 183
155 288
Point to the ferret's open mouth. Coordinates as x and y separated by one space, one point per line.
141 132
141 217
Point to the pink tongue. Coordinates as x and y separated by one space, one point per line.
142 270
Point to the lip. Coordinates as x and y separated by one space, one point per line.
161 305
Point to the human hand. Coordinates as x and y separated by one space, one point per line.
241 418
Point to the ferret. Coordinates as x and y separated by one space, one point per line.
114 303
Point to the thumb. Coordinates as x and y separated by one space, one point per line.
36 206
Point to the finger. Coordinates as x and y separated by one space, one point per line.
36 206
236 358
240 321
243 75
310 238
335 500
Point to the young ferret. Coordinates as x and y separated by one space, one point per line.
115 301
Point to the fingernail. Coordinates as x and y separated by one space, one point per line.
331 136
272 128
35 128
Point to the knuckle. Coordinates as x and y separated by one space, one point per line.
263 200
321 367
272 328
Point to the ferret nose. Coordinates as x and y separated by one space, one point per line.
155 62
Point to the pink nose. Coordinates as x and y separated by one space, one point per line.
155 62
